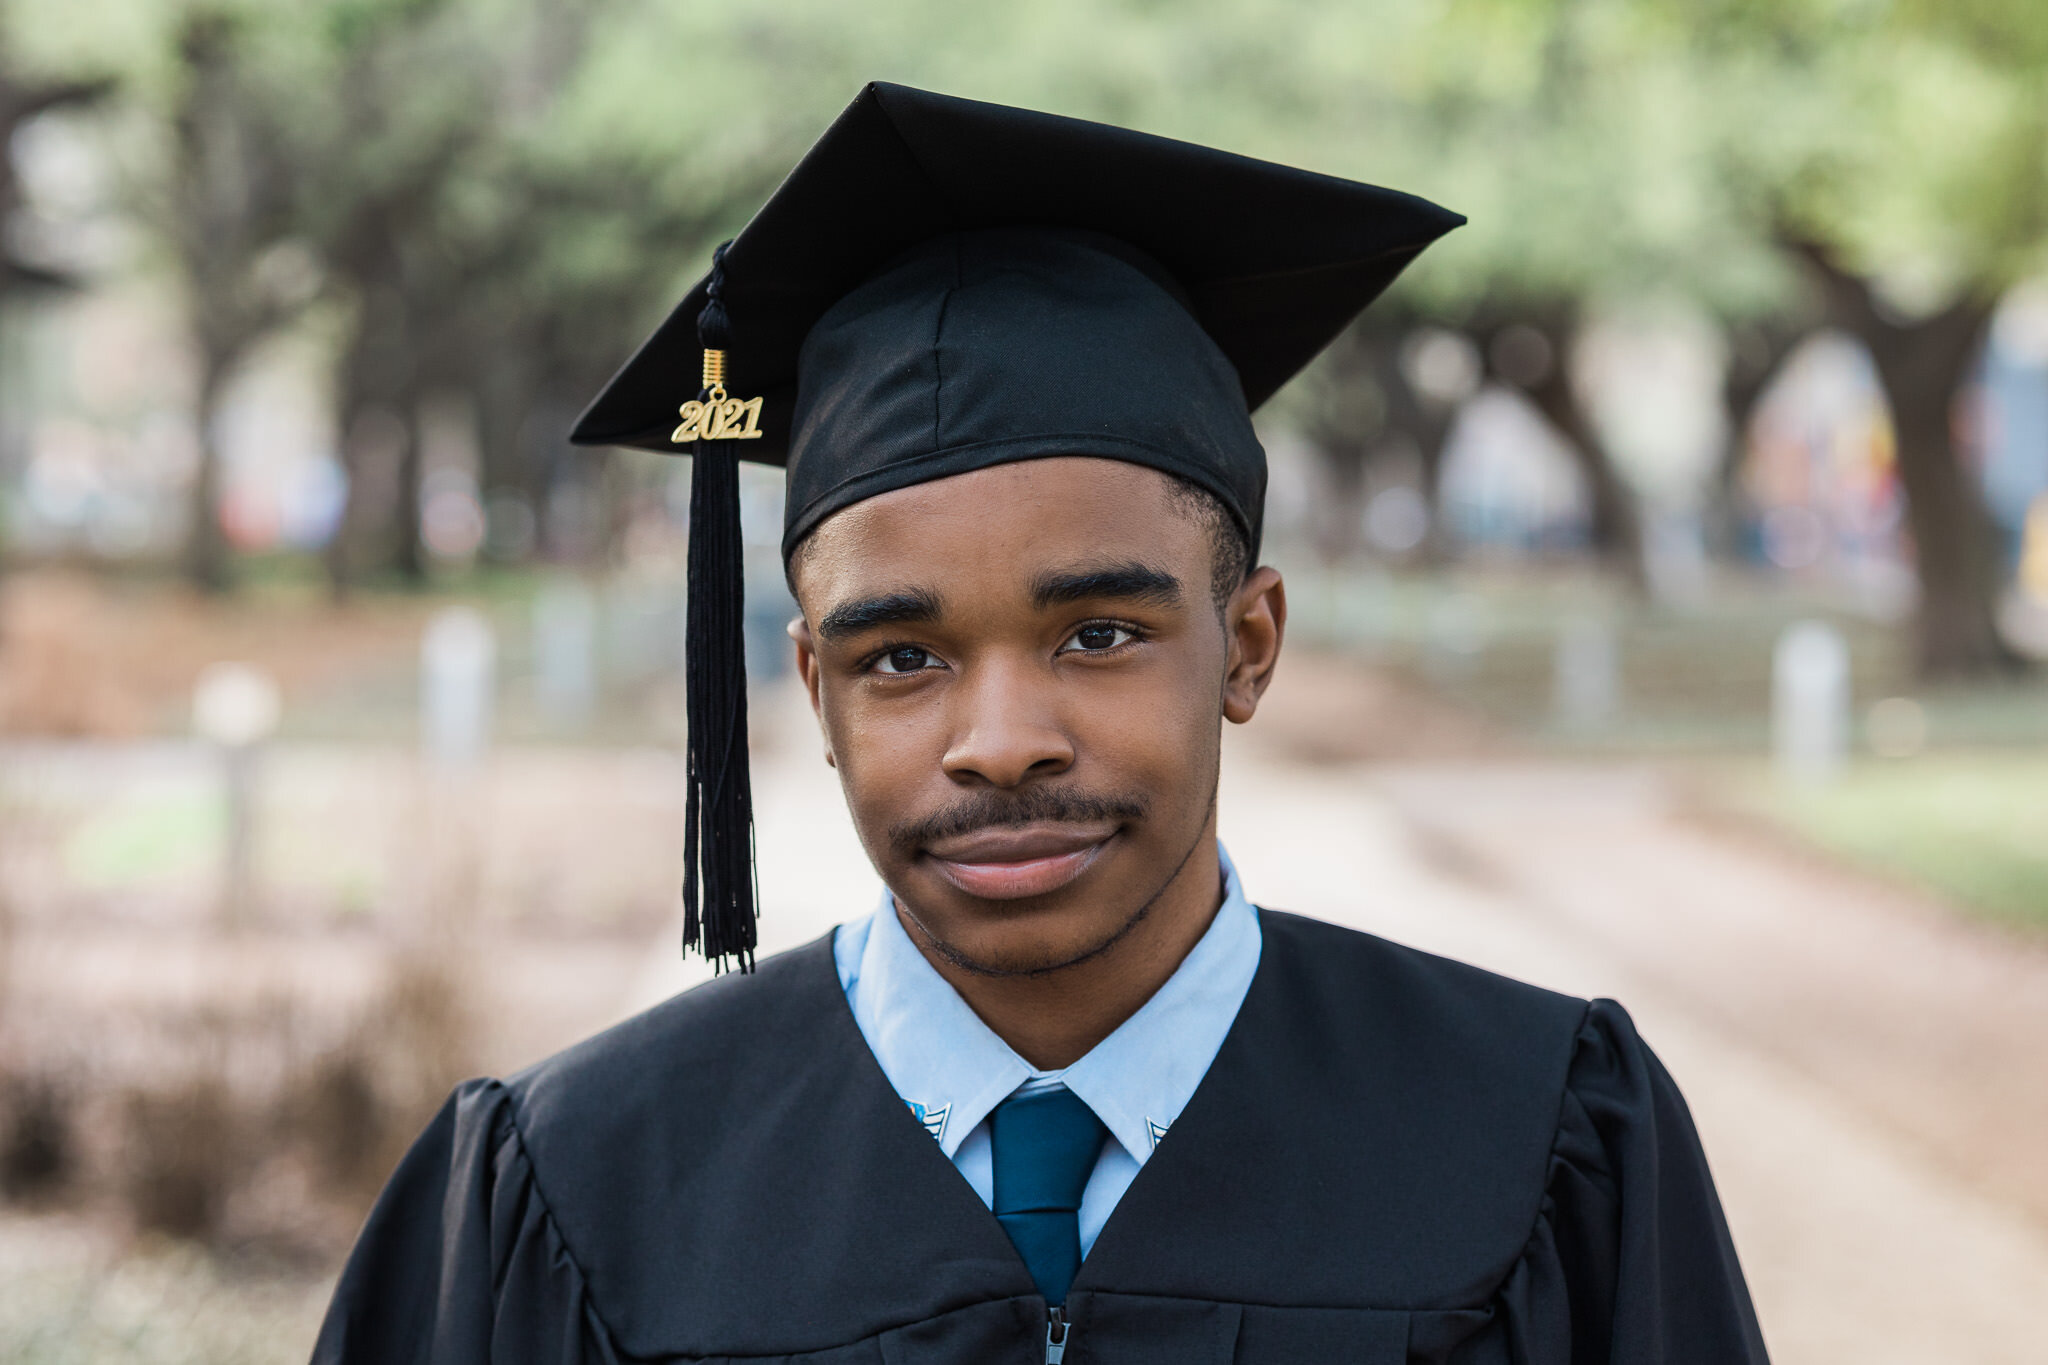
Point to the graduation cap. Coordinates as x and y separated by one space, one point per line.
942 285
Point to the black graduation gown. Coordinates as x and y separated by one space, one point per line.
1395 1158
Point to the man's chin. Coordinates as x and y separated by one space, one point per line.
1019 960
1010 938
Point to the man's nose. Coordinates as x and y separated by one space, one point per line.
1004 730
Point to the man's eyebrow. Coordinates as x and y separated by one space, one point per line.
1129 582
889 608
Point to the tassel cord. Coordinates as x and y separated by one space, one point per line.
720 892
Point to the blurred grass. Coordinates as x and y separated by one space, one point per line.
146 835
160 1303
1970 828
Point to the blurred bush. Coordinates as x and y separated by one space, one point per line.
38 1154
254 1136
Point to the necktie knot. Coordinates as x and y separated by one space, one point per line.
1043 1147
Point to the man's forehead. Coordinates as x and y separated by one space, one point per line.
1003 524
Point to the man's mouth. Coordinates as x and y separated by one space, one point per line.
1013 863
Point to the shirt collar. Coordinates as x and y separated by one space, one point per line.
953 1070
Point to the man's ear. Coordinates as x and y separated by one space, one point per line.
807 669
1255 620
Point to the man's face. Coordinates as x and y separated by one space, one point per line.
1021 674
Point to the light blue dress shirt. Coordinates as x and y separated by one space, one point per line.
953 1071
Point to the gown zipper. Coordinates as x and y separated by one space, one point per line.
1055 1335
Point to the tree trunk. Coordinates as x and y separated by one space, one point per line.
1756 353
507 391
351 402
378 417
408 551
206 547
337 557
1344 413
380 518
1955 545
1426 422
1616 529
504 403
1923 365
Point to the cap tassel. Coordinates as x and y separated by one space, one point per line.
719 892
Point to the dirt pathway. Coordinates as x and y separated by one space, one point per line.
1935 1028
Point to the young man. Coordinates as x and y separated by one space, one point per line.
1065 1094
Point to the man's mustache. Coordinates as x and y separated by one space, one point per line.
1011 810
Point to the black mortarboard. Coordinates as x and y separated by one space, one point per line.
941 285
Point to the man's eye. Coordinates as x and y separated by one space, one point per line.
908 659
1097 636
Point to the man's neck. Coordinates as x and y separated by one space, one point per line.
1054 1019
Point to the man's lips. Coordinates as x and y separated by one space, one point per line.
1011 864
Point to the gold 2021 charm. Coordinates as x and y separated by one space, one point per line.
717 417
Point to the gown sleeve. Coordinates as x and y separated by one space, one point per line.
460 1262
1630 1260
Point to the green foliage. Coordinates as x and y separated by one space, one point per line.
544 176
1972 830
1905 135
1600 146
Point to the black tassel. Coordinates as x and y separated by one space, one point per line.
719 892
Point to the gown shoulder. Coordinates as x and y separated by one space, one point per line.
461 1261
1630 1257
489 1243
1596 1231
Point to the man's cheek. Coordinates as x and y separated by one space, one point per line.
882 771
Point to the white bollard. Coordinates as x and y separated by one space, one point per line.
565 651
458 658
1810 701
235 707
1586 677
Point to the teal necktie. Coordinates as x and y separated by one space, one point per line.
1043 1147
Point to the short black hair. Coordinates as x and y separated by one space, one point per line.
1230 550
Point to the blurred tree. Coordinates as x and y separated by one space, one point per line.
480 246
1757 347
24 96
1528 344
1878 166
1896 153
497 197
415 103
1571 133
227 210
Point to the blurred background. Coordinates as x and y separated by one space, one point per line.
1668 558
